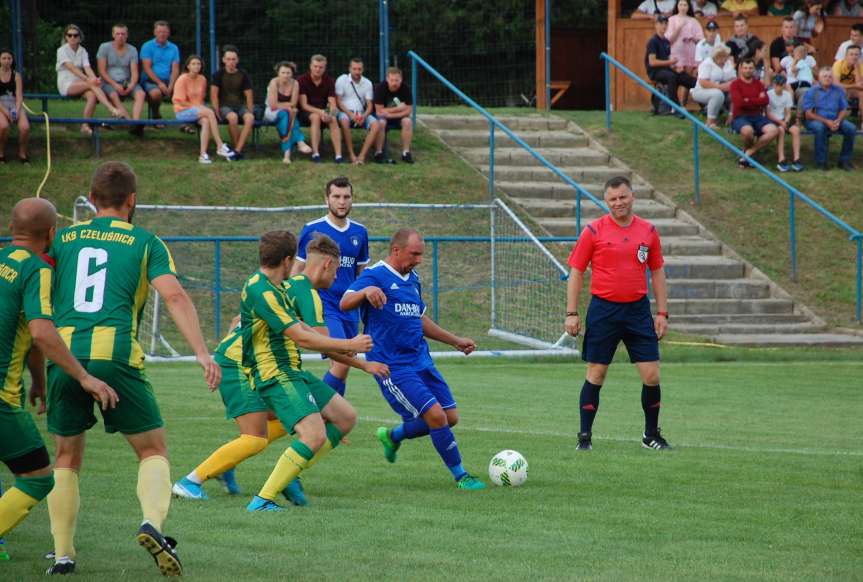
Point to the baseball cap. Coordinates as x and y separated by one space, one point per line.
661 18
779 80
712 25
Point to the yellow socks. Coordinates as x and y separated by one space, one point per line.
14 507
154 489
275 430
230 455
334 437
64 501
290 464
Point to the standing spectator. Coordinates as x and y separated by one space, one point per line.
75 77
117 62
684 32
704 9
231 98
810 21
662 67
856 38
783 45
653 8
780 8
318 106
739 7
715 76
748 99
741 43
283 95
779 112
848 8
799 69
712 39
161 61
188 97
826 108
12 106
763 72
355 96
849 73
393 106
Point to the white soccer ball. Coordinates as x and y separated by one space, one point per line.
508 469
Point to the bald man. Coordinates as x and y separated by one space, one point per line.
26 321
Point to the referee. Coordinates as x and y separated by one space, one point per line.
620 247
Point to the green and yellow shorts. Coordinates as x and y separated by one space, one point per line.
18 433
294 397
236 390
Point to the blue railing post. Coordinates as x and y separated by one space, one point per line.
18 37
607 68
696 165
859 238
578 213
792 234
198 27
217 289
491 159
214 54
435 281
386 7
414 91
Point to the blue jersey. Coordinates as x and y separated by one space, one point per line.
353 241
396 328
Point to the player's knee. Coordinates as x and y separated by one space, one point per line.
316 439
407 123
435 417
452 417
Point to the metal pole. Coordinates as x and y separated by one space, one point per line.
414 91
198 27
792 233
18 37
214 54
607 68
548 55
577 212
696 164
493 266
491 159
859 276
435 282
382 62
386 35
217 289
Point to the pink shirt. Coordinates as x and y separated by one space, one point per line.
689 34
189 93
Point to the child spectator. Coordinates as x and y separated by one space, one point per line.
779 112
798 68
712 39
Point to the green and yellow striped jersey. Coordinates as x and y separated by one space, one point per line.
231 346
103 270
304 298
265 314
25 295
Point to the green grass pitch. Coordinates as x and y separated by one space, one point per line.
764 484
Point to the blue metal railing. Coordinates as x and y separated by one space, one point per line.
494 123
854 235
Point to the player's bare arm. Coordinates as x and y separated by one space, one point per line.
660 291
374 295
373 368
310 340
36 365
433 331
574 284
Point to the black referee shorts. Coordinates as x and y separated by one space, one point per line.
608 323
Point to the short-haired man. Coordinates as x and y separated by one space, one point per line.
783 45
318 106
160 59
653 8
855 39
662 67
353 240
355 96
748 100
393 106
849 72
705 47
27 334
619 247
117 62
394 314
231 98
742 43
103 268
826 107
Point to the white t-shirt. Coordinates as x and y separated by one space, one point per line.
79 58
779 104
355 96
708 9
665 6
804 69
704 51
710 71
840 52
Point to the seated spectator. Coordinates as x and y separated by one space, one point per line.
715 75
856 38
826 108
652 8
799 68
762 70
188 98
160 59
704 9
12 106
848 8
393 106
741 43
318 106
783 45
810 22
712 39
231 98
739 7
283 95
684 32
780 8
117 62
849 73
779 112
662 67
748 99
355 96
75 77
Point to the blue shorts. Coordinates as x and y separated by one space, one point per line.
758 123
608 323
367 123
412 392
149 85
340 325
189 115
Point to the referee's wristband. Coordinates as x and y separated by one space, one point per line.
572 313
663 314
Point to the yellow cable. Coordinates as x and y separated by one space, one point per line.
697 344
47 157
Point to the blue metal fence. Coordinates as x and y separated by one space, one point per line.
854 235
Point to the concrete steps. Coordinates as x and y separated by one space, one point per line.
581 174
580 156
467 138
665 226
478 123
551 207
553 188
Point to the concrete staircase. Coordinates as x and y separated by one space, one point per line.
712 291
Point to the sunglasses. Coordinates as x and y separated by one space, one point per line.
72 35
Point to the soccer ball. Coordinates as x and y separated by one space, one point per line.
508 469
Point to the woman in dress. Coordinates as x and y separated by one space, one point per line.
684 32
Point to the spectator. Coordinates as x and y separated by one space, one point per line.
188 92
161 61
799 68
652 8
712 39
779 112
856 38
75 77
741 43
783 45
283 95
826 108
704 9
393 101
848 8
662 67
318 106
748 99
739 7
849 73
231 98
684 32
780 8
117 62
762 71
810 22
12 106
715 76
355 97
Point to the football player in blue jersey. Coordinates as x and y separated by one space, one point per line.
389 294
353 240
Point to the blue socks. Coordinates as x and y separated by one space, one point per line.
444 442
410 429
336 384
